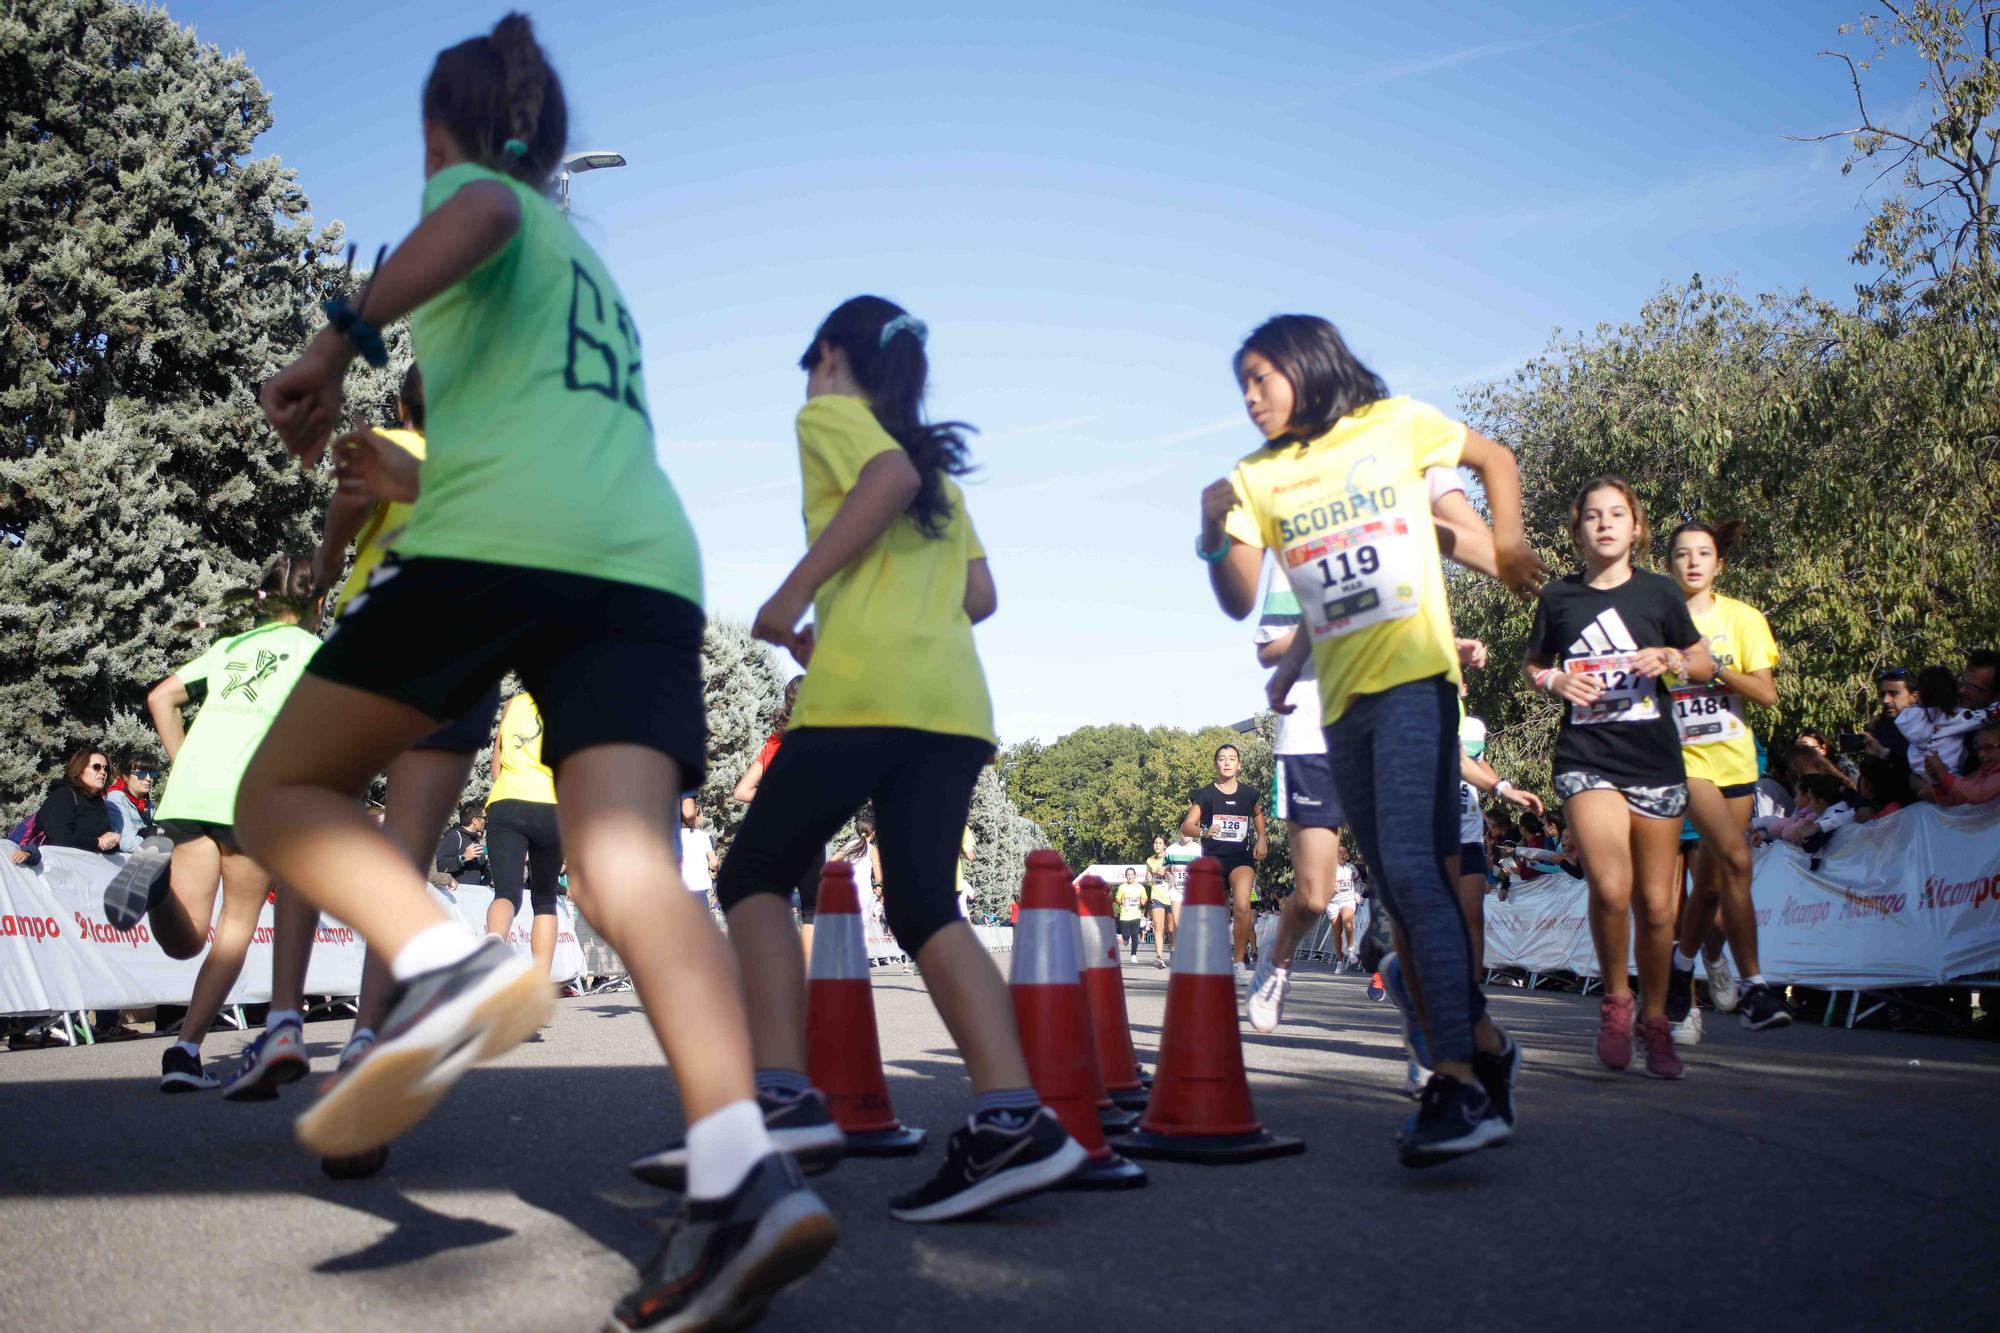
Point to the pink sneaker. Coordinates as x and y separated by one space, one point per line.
1614 1031
1657 1036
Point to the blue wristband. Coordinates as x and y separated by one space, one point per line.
367 339
1213 557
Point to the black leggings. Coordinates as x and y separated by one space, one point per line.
524 845
921 783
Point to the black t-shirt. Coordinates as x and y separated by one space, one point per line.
1628 735
1235 809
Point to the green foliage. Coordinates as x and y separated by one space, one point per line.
743 686
152 274
1005 837
1101 794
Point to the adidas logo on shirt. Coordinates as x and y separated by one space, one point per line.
1606 634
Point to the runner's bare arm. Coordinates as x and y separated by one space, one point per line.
461 234
345 517
746 786
1191 825
165 701
982 599
1272 653
1759 687
1233 578
1519 567
881 495
1463 535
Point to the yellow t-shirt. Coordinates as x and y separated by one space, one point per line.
1716 742
1348 516
965 847
522 776
384 526
892 643
1131 901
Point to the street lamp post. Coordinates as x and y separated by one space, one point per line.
595 159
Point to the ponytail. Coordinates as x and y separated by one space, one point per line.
501 102
1723 534
286 587
884 347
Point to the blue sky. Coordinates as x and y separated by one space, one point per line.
1090 205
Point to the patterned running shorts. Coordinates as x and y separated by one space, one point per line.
1669 802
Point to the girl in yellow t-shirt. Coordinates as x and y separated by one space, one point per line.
1721 758
523 839
1337 492
894 708
536 397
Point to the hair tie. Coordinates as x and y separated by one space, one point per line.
916 327
514 148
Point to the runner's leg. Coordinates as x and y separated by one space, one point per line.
179 921
1602 823
1242 885
244 888
1655 896
1722 875
1315 865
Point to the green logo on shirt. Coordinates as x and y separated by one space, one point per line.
261 670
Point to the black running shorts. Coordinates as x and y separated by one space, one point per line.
608 663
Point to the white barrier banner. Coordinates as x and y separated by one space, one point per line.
1910 900
58 954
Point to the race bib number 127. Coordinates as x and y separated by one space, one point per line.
1628 696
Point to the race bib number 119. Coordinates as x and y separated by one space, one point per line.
1358 576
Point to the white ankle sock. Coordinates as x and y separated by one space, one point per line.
278 1016
192 1048
432 948
1754 979
723 1146
1682 963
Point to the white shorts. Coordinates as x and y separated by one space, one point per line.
1343 902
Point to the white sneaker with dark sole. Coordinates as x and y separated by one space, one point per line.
439 1025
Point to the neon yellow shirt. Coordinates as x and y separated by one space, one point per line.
247 677
1348 516
1716 742
1131 901
541 447
892 643
522 775
386 520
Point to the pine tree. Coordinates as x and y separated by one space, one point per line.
152 274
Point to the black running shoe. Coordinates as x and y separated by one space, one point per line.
1496 1075
988 1162
1762 1007
724 1259
798 1123
1452 1120
439 1025
181 1072
139 884
1680 994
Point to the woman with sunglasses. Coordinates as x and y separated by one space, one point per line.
73 814
130 801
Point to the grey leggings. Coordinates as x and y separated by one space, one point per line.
1395 765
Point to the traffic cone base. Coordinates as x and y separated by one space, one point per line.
1200 1108
1111 1173
1115 1119
843 1053
1212 1149
1130 1099
902 1141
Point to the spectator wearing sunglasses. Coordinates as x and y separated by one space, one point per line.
73 814
130 801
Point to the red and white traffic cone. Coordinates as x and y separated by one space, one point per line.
843 1053
1104 987
1054 1020
1200 1109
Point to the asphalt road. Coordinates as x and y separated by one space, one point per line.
1805 1179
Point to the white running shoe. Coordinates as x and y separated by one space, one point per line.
1267 996
1687 1032
1722 987
1244 976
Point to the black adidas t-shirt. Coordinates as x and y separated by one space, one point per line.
1235 810
1628 735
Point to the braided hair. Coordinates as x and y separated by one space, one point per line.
498 90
